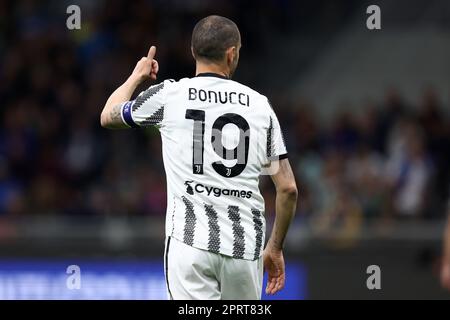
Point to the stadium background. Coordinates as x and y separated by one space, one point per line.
365 115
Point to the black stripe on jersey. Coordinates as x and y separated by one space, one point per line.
238 232
156 118
269 139
214 229
189 224
270 143
258 225
269 132
146 95
282 138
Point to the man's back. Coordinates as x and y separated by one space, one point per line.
217 136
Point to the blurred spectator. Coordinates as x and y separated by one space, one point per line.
340 212
11 192
408 169
365 170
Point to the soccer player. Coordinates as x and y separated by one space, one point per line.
218 136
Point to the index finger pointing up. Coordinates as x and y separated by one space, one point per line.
151 52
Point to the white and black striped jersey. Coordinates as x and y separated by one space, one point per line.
217 137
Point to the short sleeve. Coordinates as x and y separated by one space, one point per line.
276 146
148 108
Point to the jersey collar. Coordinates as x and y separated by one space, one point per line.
212 74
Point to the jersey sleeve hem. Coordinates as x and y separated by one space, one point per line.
279 157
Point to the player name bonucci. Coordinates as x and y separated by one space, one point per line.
219 97
226 309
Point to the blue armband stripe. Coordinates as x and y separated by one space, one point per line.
126 114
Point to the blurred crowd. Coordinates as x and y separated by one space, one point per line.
386 161
389 162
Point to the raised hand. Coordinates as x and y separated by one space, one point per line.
147 67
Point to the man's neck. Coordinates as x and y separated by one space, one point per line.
210 68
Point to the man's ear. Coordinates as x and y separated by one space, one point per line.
192 52
231 54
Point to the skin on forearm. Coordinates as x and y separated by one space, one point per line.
111 115
285 211
447 242
286 203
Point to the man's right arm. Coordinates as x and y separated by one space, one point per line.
286 203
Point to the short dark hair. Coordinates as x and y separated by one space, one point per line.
212 36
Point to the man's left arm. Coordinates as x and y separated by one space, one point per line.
146 68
